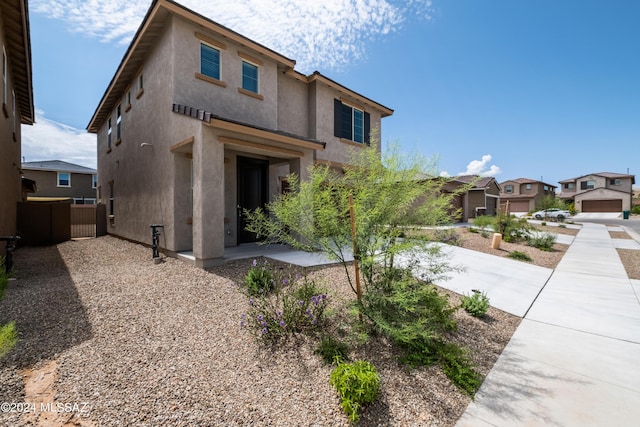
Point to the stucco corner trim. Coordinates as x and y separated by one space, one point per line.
183 145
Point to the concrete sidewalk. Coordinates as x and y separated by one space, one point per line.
573 359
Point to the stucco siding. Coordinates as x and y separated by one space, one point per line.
47 184
10 152
603 194
293 106
226 102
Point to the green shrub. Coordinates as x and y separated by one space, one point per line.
8 334
332 350
542 241
459 368
636 209
8 338
485 234
476 304
521 256
448 236
543 223
357 383
295 305
562 226
484 222
259 279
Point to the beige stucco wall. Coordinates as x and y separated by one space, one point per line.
142 176
293 106
603 194
10 152
322 108
226 101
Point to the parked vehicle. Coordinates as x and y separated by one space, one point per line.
552 213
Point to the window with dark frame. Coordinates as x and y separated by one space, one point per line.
508 189
587 185
614 181
351 123
111 198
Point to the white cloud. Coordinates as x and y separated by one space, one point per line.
479 167
50 140
317 34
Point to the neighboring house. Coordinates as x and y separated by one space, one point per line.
200 122
57 180
523 194
599 192
481 199
17 107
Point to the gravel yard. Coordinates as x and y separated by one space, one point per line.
133 343
145 344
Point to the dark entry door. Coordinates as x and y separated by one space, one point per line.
253 182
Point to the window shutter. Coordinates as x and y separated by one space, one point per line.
337 118
367 128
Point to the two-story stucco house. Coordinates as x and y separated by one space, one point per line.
523 194
599 192
17 107
200 122
59 180
481 199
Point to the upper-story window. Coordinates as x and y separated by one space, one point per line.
569 186
508 188
94 181
249 77
545 187
209 61
351 122
118 124
109 130
64 179
614 181
140 81
587 185
527 186
4 76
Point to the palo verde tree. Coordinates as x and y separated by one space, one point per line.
392 195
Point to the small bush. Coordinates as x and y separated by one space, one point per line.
473 230
459 369
484 222
476 304
542 241
259 279
8 338
521 256
485 234
357 383
292 307
543 223
332 350
635 210
448 236
562 226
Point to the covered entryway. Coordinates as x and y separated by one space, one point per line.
602 205
253 191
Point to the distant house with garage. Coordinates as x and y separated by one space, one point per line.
599 192
524 194
200 122
57 180
482 197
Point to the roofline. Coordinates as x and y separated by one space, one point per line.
386 111
180 10
602 174
20 59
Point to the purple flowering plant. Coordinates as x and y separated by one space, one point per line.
293 305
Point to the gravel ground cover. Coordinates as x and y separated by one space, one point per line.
144 344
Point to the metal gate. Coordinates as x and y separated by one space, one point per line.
83 221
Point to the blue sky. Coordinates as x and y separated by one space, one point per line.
510 88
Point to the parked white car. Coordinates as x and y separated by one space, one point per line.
552 213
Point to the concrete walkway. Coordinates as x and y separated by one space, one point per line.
573 361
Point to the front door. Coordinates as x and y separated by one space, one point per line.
253 182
